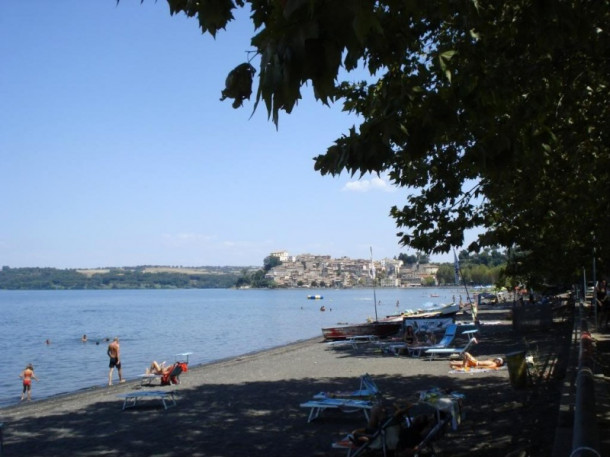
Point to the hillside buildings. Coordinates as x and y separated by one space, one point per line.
308 270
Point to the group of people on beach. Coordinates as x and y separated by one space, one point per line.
114 354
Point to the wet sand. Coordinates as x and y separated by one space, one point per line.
249 406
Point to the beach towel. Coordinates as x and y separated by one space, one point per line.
473 370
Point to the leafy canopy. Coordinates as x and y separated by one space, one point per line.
490 114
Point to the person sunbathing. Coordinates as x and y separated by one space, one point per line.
409 436
157 368
468 361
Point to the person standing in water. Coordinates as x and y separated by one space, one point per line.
114 352
27 375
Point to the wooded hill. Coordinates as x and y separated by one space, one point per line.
142 277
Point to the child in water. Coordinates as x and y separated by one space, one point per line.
27 375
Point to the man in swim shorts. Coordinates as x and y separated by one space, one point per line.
114 352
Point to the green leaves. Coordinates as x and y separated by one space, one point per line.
444 59
238 84
490 113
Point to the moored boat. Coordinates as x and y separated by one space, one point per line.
315 297
435 318
380 329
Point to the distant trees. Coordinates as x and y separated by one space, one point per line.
271 261
115 278
255 279
486 267
413 259
445 274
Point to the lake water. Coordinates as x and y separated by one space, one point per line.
213 324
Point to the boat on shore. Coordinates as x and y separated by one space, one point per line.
435 319
381 329
449 309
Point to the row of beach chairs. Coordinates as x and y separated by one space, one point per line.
445 347
399 431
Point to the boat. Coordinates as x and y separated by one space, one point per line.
315 297
449 309
434 318
381 329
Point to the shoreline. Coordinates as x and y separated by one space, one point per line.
250 404
135 383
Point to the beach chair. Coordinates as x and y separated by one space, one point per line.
444 343
346 405
130 399
354 342
385 438
404 432
368 389
172 376
416 351
451 350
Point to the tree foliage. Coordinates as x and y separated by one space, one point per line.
490 114
114 278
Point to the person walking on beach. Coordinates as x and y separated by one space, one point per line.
27 375
114 352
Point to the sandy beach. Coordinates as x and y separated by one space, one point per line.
249 406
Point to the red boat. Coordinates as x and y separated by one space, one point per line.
381 329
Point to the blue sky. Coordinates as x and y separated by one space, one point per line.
116 150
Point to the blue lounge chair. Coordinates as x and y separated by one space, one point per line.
416 351
451 350
368 389
346 405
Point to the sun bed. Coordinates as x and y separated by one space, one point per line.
447 409
445 343
130 399
368 389
147 379
171 377
316 407
354 341
450 351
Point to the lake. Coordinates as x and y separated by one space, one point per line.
213 324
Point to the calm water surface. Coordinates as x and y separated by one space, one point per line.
158 324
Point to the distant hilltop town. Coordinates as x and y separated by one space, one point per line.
307 270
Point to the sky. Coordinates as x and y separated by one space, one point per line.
116 150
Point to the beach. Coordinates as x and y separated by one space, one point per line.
249 405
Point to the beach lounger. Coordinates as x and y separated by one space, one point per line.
171 377
385 438
346 405
416 351
401 431
444 343
147 379
450 351
368 389
354 341
130 399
